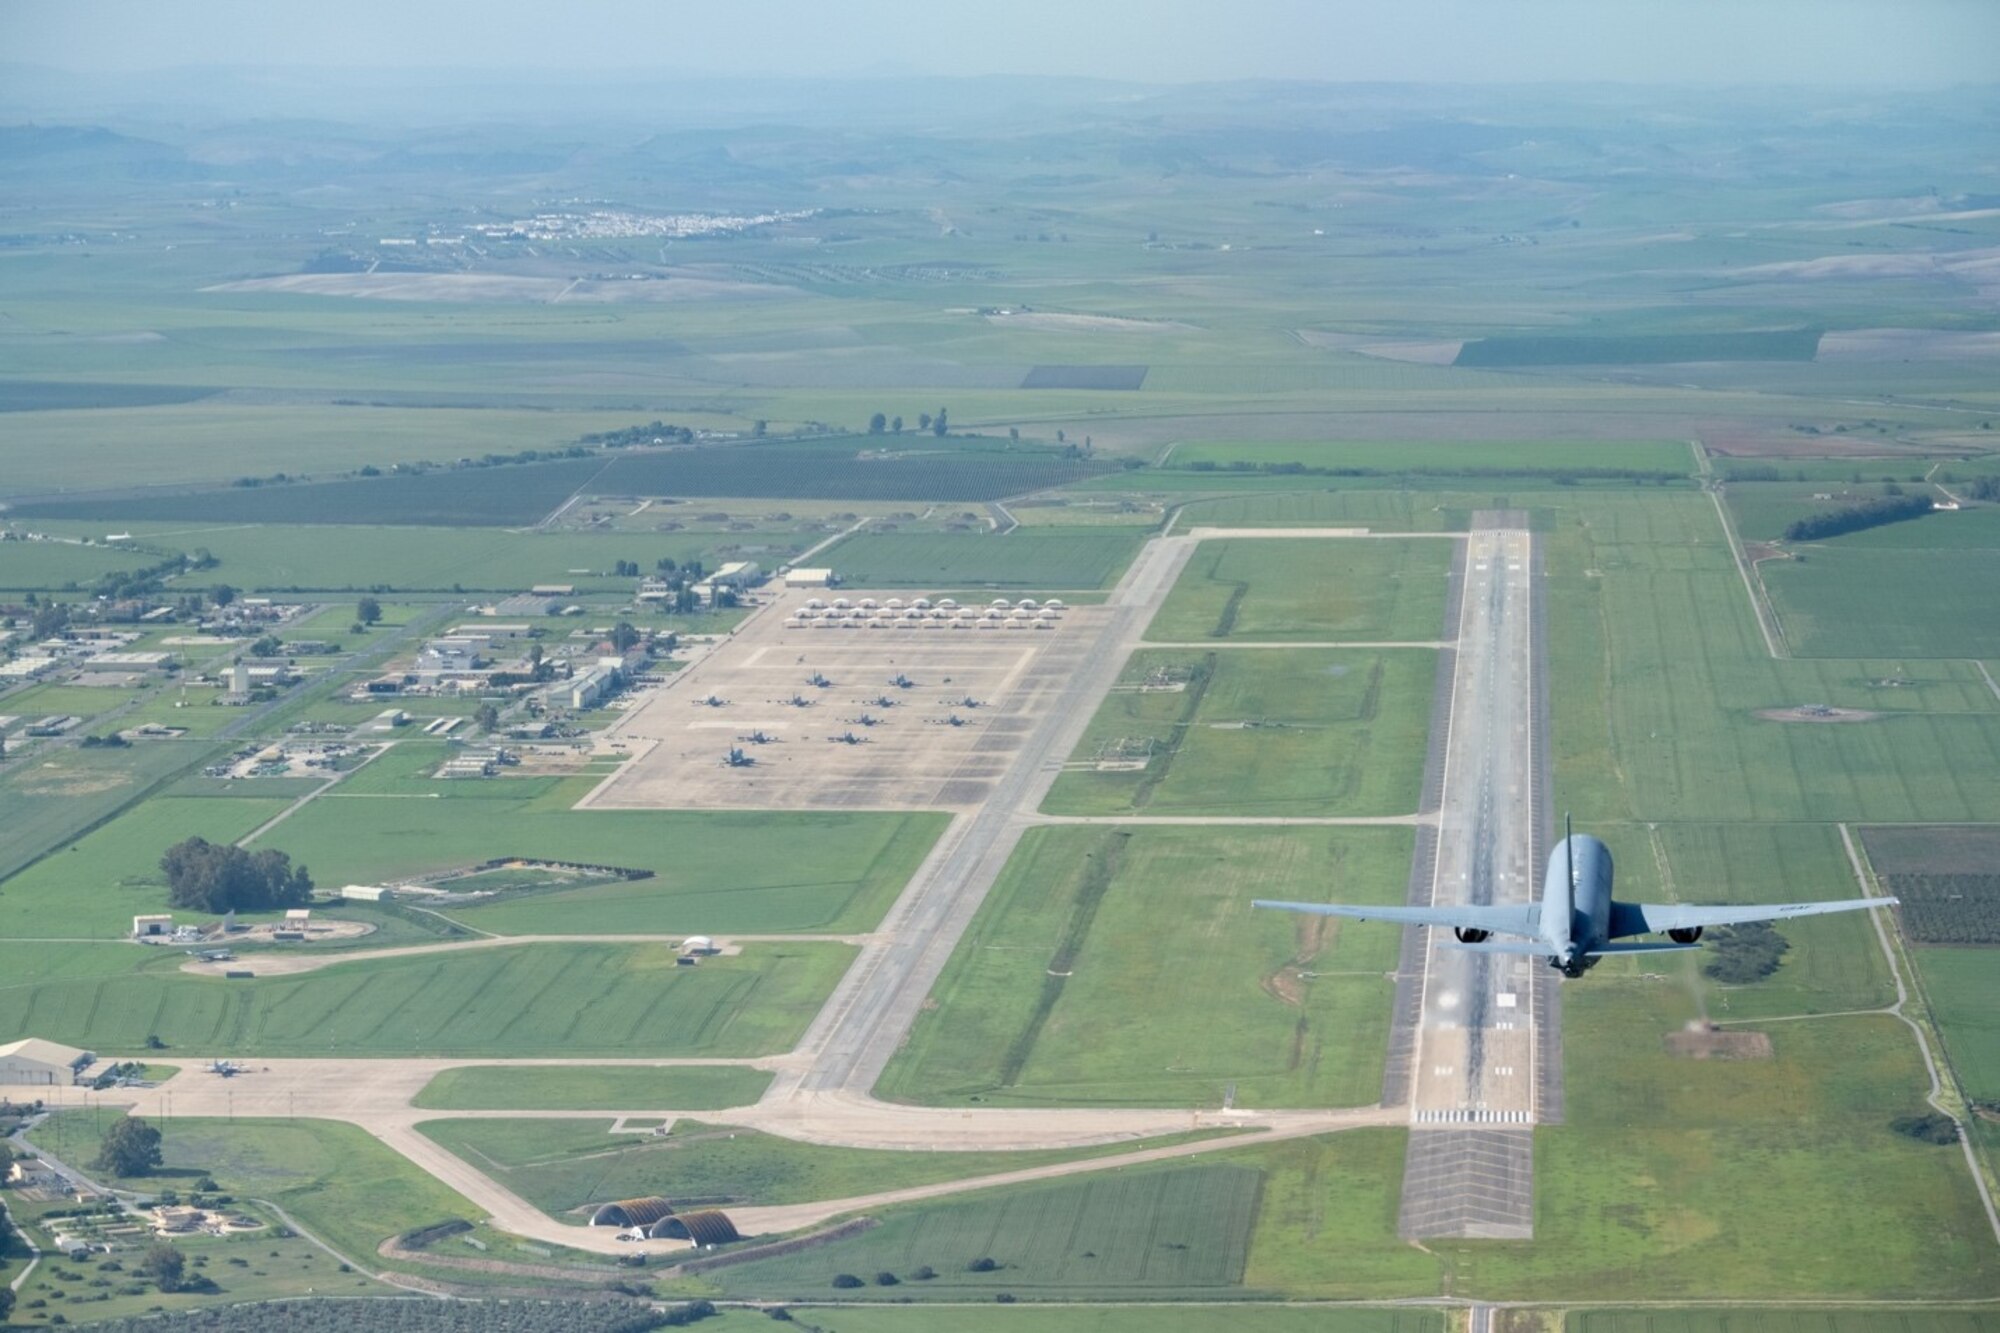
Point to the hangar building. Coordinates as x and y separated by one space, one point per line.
32 1062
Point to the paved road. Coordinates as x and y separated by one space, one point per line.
1474 1063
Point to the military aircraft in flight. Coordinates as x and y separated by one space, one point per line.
1577 922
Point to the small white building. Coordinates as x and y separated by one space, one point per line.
809 578
32 1062
367 893
152 926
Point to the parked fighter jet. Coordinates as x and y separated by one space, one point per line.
1577 922
737 759
818 680
901 681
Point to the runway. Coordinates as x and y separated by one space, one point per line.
1481 1021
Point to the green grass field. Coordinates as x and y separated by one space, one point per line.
341 1185
1276 590
321 557
1148 1233
609 1087
714 872
1904 1319
113 874
1862 601
565 1165
1067 991
1651 640
1437 457
1958 983
1035 558
1771 1178
529 1000
1285 731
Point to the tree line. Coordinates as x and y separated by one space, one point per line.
1857 517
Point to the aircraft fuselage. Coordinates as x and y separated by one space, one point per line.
1576 913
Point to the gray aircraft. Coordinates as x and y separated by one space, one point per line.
1576 923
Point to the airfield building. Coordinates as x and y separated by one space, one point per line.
32 1062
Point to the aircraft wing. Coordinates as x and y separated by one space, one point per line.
1518 919
1657 918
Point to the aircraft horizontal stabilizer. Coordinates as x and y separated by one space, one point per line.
1645 946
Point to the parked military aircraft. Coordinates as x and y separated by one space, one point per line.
901 681
737 759
1577 922
819 680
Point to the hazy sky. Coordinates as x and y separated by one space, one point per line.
1875 42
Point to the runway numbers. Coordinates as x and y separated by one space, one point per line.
1507 999
1442 1070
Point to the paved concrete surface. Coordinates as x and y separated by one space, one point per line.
1474 1062
858 741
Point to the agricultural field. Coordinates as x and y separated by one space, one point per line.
1650 631
1040 559
1149 1233
1945 877
1902 1318
524 493
1847 600
589 999
1277 589
44 565
565 1166
1958 985
1284 731
322 557
1638 348
1408 460
1066 991
607 1087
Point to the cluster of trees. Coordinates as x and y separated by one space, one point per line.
938 425
1932 1127
650 433
130 1148
218 877
124 583
923 1273
1743 954
1856 517
1981 488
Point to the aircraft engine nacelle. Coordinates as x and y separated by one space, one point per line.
1470 934
1688 935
